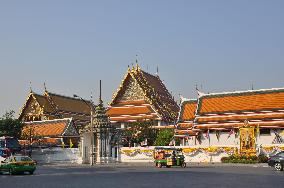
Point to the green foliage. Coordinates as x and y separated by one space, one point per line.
164 137
137 132
9 126
244 159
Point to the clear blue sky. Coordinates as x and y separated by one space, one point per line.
223 45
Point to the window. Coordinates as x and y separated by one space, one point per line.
264 131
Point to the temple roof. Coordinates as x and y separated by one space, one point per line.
231 109
61 107
153 92
187 110
50 128
254 100
70 104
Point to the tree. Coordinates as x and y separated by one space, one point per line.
138 132
9 126
164 137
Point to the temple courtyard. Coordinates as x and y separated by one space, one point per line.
208 175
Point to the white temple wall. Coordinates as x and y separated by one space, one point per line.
224 139
85 147
146 154
227 139
56 155
267 139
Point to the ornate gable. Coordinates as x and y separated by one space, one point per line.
132 91
148 90
32 110
70 130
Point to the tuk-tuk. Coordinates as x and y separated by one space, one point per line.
168 157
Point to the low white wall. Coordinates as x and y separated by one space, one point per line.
136 154
56 155
192 154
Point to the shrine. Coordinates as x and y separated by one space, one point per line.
97 138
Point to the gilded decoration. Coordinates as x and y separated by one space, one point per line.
247 140
133 92
33 111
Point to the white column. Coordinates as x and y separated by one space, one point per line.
98 148
82 145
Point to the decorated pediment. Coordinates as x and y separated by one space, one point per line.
131 91
71 130
33 110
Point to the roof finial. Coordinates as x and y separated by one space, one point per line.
132 68
252 87
157 70
100 99
31 90
91 97
137 65
196 87
136 60
44 85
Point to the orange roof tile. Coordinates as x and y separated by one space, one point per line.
187 110
43 141
135 110
185 125
133 118
242 101
52 128
186 132
241 117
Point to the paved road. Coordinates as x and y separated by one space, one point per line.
146 176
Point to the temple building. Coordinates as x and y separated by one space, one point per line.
142 97
53 120
49 106
250 119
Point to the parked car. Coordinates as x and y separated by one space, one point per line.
11 143
277 161
18 164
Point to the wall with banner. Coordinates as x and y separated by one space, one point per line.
214 146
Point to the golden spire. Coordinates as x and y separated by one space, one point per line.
137 68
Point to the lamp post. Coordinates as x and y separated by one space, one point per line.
92 128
